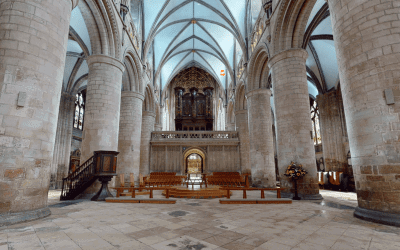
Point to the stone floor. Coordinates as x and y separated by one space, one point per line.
202 224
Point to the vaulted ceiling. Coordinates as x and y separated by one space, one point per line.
209 33
322 67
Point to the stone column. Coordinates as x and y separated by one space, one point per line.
230 127
158 127
33 46
261 138
367 41
242 126
62 147
102 109
293 122
148 121
332 133
130 128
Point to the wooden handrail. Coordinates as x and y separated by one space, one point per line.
228 189
75 180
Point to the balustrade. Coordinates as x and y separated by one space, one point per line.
183 135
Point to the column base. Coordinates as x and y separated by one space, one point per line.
14 218
303 196
390 219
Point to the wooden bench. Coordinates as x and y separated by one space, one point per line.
228 179
157 179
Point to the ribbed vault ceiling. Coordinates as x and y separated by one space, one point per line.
206 32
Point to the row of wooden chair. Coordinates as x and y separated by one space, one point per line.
157 179
233 179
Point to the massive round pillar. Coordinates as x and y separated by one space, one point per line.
62 147
130 128
102 110
293 121
242 127
33 42
148 122
367 41
261 139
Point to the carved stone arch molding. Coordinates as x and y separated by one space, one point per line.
257 69
288 30
240 97
134 69
195 150
101 22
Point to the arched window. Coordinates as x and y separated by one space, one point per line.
79 111
315 123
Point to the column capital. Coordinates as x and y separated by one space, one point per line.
240 112
132 94
259 92
107 60
149 113
68 97
74 3
290 53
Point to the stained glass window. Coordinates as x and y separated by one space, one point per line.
79 111
315 123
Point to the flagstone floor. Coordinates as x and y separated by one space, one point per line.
197 224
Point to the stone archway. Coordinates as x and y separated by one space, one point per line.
191 151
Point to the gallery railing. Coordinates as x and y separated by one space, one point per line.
183 135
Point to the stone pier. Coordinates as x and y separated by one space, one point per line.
367 41
33 45
130 127
293 121
62 147
261 141
242 126
148 122
103 100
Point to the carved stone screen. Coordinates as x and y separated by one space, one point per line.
193 92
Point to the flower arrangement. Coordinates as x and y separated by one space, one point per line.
295 171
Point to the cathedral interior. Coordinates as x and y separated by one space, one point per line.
145 124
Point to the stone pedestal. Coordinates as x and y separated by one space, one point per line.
148 121
293 121
367 43
33 37
261 141
62 147
242 126
102 110
130 128
333 132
